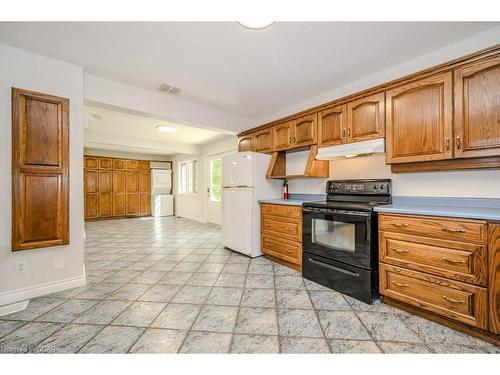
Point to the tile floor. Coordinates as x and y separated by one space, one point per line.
168 286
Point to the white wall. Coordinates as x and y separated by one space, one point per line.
193 206
475 183
26 70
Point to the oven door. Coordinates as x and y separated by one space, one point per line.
344 236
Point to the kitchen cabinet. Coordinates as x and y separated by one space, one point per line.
40 170
332 125
116 187
366 118
283 134
263 140
445 269
477 109
305 131
419 120
281 234
246 143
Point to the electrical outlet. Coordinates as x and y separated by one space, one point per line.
20 266
58 263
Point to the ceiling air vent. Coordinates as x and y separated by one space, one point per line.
168 89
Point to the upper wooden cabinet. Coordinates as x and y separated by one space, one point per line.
263 140
119 164
365 118
477 109
283 136
332 124
91 162
419 120
305 131
246 143
40 170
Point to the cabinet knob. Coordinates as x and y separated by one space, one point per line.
459 144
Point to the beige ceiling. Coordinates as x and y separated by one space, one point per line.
113 129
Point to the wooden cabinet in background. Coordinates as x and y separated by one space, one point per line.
105 192
119 194
366 118
332 125
40 170
477 109
419 120
144 191
263 140
132 186
281 234
494 280
116 187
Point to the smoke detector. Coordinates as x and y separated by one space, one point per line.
168 89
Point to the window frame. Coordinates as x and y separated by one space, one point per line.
194 183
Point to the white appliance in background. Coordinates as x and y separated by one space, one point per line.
162 200
244 183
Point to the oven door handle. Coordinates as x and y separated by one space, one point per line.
335 212
347 272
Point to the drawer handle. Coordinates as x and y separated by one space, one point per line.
404 225
400 251
454 300
269 244
401 285
454 261
453 230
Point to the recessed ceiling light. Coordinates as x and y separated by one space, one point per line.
166 129
256 24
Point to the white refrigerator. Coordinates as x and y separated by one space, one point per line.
244 183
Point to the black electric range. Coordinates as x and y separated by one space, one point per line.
340 237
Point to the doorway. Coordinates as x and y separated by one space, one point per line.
214 189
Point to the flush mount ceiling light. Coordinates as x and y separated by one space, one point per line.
166 129
256 24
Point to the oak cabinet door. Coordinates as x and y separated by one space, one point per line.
144 165
132 164
366 118
264 140
332 126
119 164
419 120
40 170
91 184
105 193
305 131
246 143
144 192
283 136
105 163
477 109
132 187
144 203
91 162
119 198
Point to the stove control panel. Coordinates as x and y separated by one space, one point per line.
359 187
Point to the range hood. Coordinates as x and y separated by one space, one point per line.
374 146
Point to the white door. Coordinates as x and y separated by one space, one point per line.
237 169
214 190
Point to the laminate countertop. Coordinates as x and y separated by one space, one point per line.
469 208
296 199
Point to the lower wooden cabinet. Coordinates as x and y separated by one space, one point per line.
281 234
449 268
116 187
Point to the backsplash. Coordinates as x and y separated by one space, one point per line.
473 183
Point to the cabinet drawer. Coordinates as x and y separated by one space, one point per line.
291 228
449 229
455 260
287 250
282 210
463 302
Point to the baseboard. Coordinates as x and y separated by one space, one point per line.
40 290
200 220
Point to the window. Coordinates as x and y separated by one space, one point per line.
215 180
187 177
